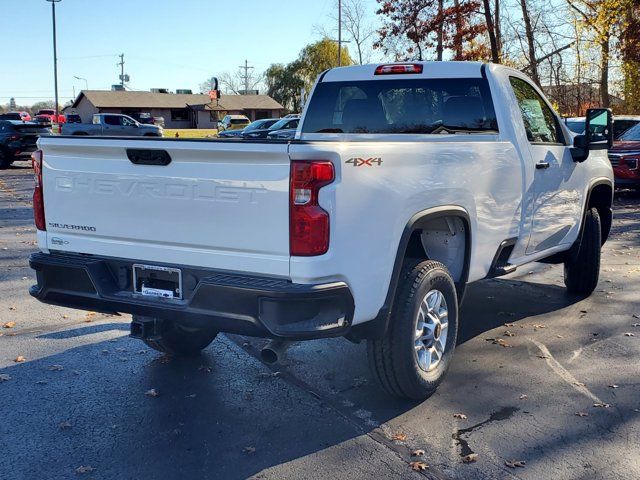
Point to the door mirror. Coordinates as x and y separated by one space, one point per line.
599 129
598 134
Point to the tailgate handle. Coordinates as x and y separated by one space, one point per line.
142 156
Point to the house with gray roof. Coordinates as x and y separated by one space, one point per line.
179 110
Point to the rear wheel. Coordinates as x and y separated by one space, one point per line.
6 159
582 270
181 341
413 357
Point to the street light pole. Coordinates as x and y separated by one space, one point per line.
339 33
55 53
86 84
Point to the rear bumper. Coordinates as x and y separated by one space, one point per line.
248 305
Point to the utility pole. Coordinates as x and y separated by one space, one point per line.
55 54
121 63
245 77
339 33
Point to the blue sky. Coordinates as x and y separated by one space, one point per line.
167 43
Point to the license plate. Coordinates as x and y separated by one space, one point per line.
156 281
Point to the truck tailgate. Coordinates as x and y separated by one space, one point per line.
217 204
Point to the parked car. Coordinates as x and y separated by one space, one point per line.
112 124
282 124
48 116
625 158
292 115
18 138
233 122
621 123
408 182
287 134
24 116
73 118
258 124
10 116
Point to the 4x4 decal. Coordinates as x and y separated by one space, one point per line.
365 162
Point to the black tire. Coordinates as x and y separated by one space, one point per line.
6 159
181 341
582 268
393 359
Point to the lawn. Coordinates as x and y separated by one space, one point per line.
189 133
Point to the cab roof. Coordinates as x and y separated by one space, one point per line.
429 70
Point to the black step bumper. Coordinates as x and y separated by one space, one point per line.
248 305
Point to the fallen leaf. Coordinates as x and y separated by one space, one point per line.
461 416
523 397
543 356
56 368
559 336
472 457
4 377
601 405
152 393
536 326
582 414
509 334
82 469
509 324
12 307
20 359
65 425
579 384
613 386
9 325
65 316
417 453
515 463
418 466
400 437
249 449
498 341
629 334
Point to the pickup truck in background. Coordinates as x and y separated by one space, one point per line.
48 117
405 182
111 124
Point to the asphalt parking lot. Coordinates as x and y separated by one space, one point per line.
559 391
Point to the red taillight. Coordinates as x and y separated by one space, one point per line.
308 222
13 138
399 68
38 198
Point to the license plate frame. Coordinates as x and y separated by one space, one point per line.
155 281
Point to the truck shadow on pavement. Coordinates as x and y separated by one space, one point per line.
129 412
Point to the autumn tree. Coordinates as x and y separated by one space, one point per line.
284 85
415 28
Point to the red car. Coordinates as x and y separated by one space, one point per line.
48 116
625 158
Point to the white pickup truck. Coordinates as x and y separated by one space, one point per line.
404 183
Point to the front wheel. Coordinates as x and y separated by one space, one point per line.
180 341
582 269
6 159
412 358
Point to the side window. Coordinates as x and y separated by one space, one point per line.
539 120
126 122
111 120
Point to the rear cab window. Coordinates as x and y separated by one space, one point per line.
406 106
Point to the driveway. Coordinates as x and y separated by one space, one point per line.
539 377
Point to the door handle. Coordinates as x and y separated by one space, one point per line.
542 164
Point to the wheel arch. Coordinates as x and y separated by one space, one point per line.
411 245
600 197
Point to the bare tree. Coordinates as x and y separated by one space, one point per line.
495 56
533 63
356 23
